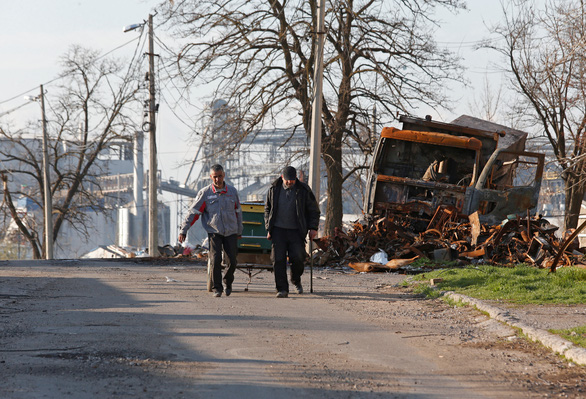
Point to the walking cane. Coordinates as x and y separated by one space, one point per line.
311 265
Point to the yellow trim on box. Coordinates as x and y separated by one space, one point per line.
253 208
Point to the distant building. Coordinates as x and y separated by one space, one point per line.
124 221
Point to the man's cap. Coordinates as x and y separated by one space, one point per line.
289 173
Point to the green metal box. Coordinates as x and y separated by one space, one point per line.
254 234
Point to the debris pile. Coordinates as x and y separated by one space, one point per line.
184 251
446 238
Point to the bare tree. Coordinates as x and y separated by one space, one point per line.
487 103
545 53
86 116
259 56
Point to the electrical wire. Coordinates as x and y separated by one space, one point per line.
66 74
14 109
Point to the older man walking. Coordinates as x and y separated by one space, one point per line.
291 211
221 216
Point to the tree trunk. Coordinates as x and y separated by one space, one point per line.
31 238
332 155
574 198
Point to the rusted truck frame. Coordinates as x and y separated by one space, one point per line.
473 173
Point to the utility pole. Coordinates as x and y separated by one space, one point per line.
315 149
153 186
48 203
138 189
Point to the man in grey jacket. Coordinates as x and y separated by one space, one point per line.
221 216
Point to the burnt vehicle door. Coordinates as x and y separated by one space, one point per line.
508 186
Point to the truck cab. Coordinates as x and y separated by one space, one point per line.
468 166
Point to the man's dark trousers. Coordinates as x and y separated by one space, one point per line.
228 244
287 241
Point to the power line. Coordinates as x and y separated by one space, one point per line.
14 109
66 74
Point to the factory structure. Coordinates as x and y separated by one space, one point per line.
252 164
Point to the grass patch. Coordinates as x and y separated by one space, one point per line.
426 290
576 335
521 284
453 303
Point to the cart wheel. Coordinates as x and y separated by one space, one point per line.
209 283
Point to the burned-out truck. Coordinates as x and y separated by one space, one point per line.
468 166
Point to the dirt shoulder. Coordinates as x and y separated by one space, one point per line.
124 329
450 334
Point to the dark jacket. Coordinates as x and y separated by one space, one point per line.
306 207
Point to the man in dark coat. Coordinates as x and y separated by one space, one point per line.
291 211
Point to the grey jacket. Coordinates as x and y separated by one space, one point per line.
220 211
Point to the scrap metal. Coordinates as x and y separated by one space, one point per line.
447 237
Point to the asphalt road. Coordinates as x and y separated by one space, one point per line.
140 329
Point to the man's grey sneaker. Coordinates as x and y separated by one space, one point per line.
228 291
217 294
282 294
299 288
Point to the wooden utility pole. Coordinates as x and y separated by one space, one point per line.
48 200
315 149
153 186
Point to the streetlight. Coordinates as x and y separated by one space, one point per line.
153 228
48 201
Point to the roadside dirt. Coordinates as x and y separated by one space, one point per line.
101 329
466 342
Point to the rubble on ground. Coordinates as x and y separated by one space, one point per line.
166 251
445 239
184 251
413 243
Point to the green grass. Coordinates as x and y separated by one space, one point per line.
576 335
521 284
427 291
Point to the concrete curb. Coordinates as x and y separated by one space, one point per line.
557 344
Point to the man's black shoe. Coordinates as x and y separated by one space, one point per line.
299 288
228 291
217 294
282 294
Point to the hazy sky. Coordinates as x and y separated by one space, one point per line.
35 33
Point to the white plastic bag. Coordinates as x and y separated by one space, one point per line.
380 257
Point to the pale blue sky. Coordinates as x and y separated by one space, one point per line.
35 33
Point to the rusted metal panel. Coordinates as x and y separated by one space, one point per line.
432 138
412 123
